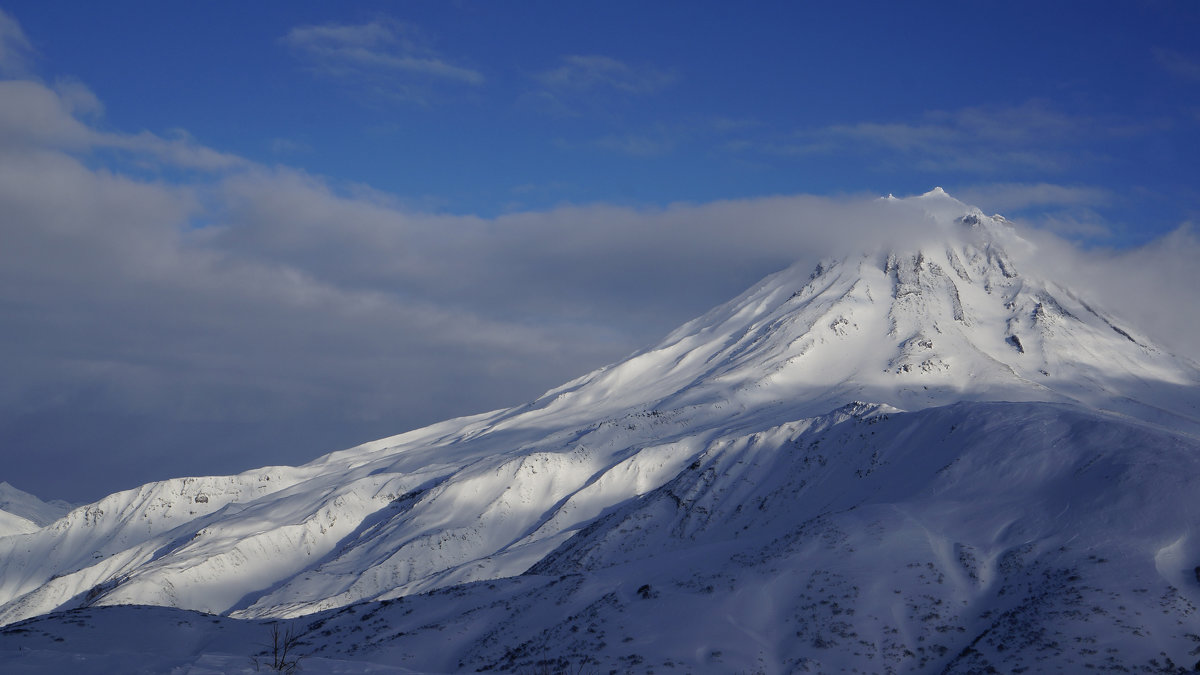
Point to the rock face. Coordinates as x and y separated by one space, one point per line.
908 460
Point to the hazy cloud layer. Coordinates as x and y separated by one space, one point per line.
245 314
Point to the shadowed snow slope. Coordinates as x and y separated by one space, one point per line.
916 459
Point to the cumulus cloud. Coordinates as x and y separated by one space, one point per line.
384 55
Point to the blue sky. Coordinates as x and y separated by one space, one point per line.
483 108
244 233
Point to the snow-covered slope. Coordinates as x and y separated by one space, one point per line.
798 466
940 323
1012 536
21 512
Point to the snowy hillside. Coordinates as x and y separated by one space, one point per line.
21 512
913 459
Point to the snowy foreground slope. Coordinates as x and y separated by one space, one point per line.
916 459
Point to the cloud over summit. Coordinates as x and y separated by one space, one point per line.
192 309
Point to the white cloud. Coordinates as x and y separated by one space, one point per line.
898 136
593 85
77 98
180 151
306 315
35 117
1071 211
384 55
1031 137
596 72
1179 64
1031 122
1011 197
635 145
32 115
1152 286
115 309
16 52
289 146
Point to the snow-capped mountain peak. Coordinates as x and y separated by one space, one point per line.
912 327
780 451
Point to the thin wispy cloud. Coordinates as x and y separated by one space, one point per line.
661 139
1179 64
289 146
895 135
77 98
388 55
1031 122
635 145
981 139
1070 211
178 150
977 139
1020 196
598 73
594 86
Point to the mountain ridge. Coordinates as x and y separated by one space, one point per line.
953 397
21 512
921 287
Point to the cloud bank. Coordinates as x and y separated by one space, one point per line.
201 313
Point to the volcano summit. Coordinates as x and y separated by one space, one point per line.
914 458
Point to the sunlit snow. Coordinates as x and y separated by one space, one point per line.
915 459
